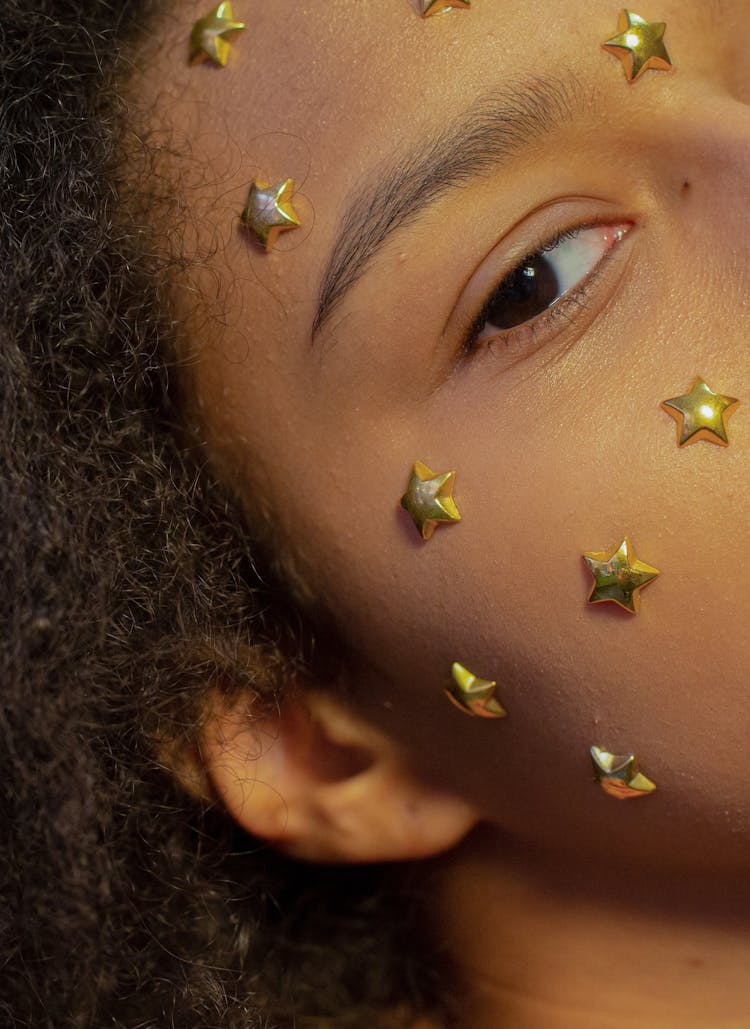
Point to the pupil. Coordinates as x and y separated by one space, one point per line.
526 292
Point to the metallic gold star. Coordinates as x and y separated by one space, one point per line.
620 775
269 211
618 576
639 45
430 7
429 499
473 696
700 414
210 36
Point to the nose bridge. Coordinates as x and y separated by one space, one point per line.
711 39
709 129
730 23
701 145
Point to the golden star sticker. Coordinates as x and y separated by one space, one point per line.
619 577
700 414
429 499
430 7
620 775
473 696
210 36
639 45
269 211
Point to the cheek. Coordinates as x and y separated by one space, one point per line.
546 472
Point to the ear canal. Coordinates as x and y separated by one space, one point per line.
321 784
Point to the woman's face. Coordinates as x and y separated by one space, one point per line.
430 158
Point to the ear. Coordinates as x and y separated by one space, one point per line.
322 785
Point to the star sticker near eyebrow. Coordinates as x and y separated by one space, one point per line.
700 415
619 577
269 211
430 7
209 40
619 775
429 499
472 695
639 45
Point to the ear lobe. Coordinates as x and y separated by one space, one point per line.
324 786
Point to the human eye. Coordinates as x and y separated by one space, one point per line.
549 282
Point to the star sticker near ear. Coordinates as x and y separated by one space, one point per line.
269 211
473 696
430 7
619 577
209 40
619 775
639 45
429 499
700 415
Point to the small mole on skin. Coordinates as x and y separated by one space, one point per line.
696 963
685 187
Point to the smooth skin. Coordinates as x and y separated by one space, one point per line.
566 908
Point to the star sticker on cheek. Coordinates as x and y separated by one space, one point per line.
472 695
619 577
700 415
269 211
429 499
209 40
620 775
430 7
639 45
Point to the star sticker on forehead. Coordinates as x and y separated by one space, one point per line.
472 695
428 8
209 40
269 211
700 415
620 775
639 45
429 499
618 577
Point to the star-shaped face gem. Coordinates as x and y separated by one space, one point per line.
700 414
209 40
619 775
639 45
269 211
619 577
430 7
473 696
429 499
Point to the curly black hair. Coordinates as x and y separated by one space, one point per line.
130 586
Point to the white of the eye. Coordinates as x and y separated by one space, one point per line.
576 256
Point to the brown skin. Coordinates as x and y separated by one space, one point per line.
561 447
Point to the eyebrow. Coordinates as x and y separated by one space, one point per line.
492 131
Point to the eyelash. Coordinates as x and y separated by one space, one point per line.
523 335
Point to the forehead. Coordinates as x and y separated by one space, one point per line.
323 92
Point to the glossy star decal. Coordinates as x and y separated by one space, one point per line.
430 7
700 415
429 499
620 775
639 45
209 40
618 577
472 695
269 211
